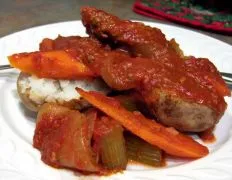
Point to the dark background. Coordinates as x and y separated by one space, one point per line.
16 15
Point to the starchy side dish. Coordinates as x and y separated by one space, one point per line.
123 93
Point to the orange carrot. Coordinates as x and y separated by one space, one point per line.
168 139
52 64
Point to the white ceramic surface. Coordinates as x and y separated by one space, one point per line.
19 160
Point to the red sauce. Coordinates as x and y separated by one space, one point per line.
207 136
103 126
63 137
45 135
145 75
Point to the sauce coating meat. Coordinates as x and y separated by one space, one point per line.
180 110
149 42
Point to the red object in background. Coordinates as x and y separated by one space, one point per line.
187 13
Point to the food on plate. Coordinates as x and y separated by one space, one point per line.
150 94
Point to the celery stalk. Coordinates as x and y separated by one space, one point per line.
143 152
113 149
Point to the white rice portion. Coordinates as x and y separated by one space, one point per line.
41 90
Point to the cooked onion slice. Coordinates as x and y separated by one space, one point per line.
63 138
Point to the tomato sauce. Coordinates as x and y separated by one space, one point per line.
207 136
145 75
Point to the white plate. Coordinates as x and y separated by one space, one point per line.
19 160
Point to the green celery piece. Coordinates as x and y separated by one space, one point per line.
143 152
113 149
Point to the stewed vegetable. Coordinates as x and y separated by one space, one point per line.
112 145
143 152
62 136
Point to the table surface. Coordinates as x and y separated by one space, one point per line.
16 15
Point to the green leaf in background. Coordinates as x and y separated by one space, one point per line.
148 3
229 25
189 16
207 20
222 18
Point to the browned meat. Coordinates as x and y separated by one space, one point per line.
175 100
148 42
180 114
139 39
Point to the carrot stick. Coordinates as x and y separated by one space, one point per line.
52 64
168 139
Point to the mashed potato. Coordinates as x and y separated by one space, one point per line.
41 90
